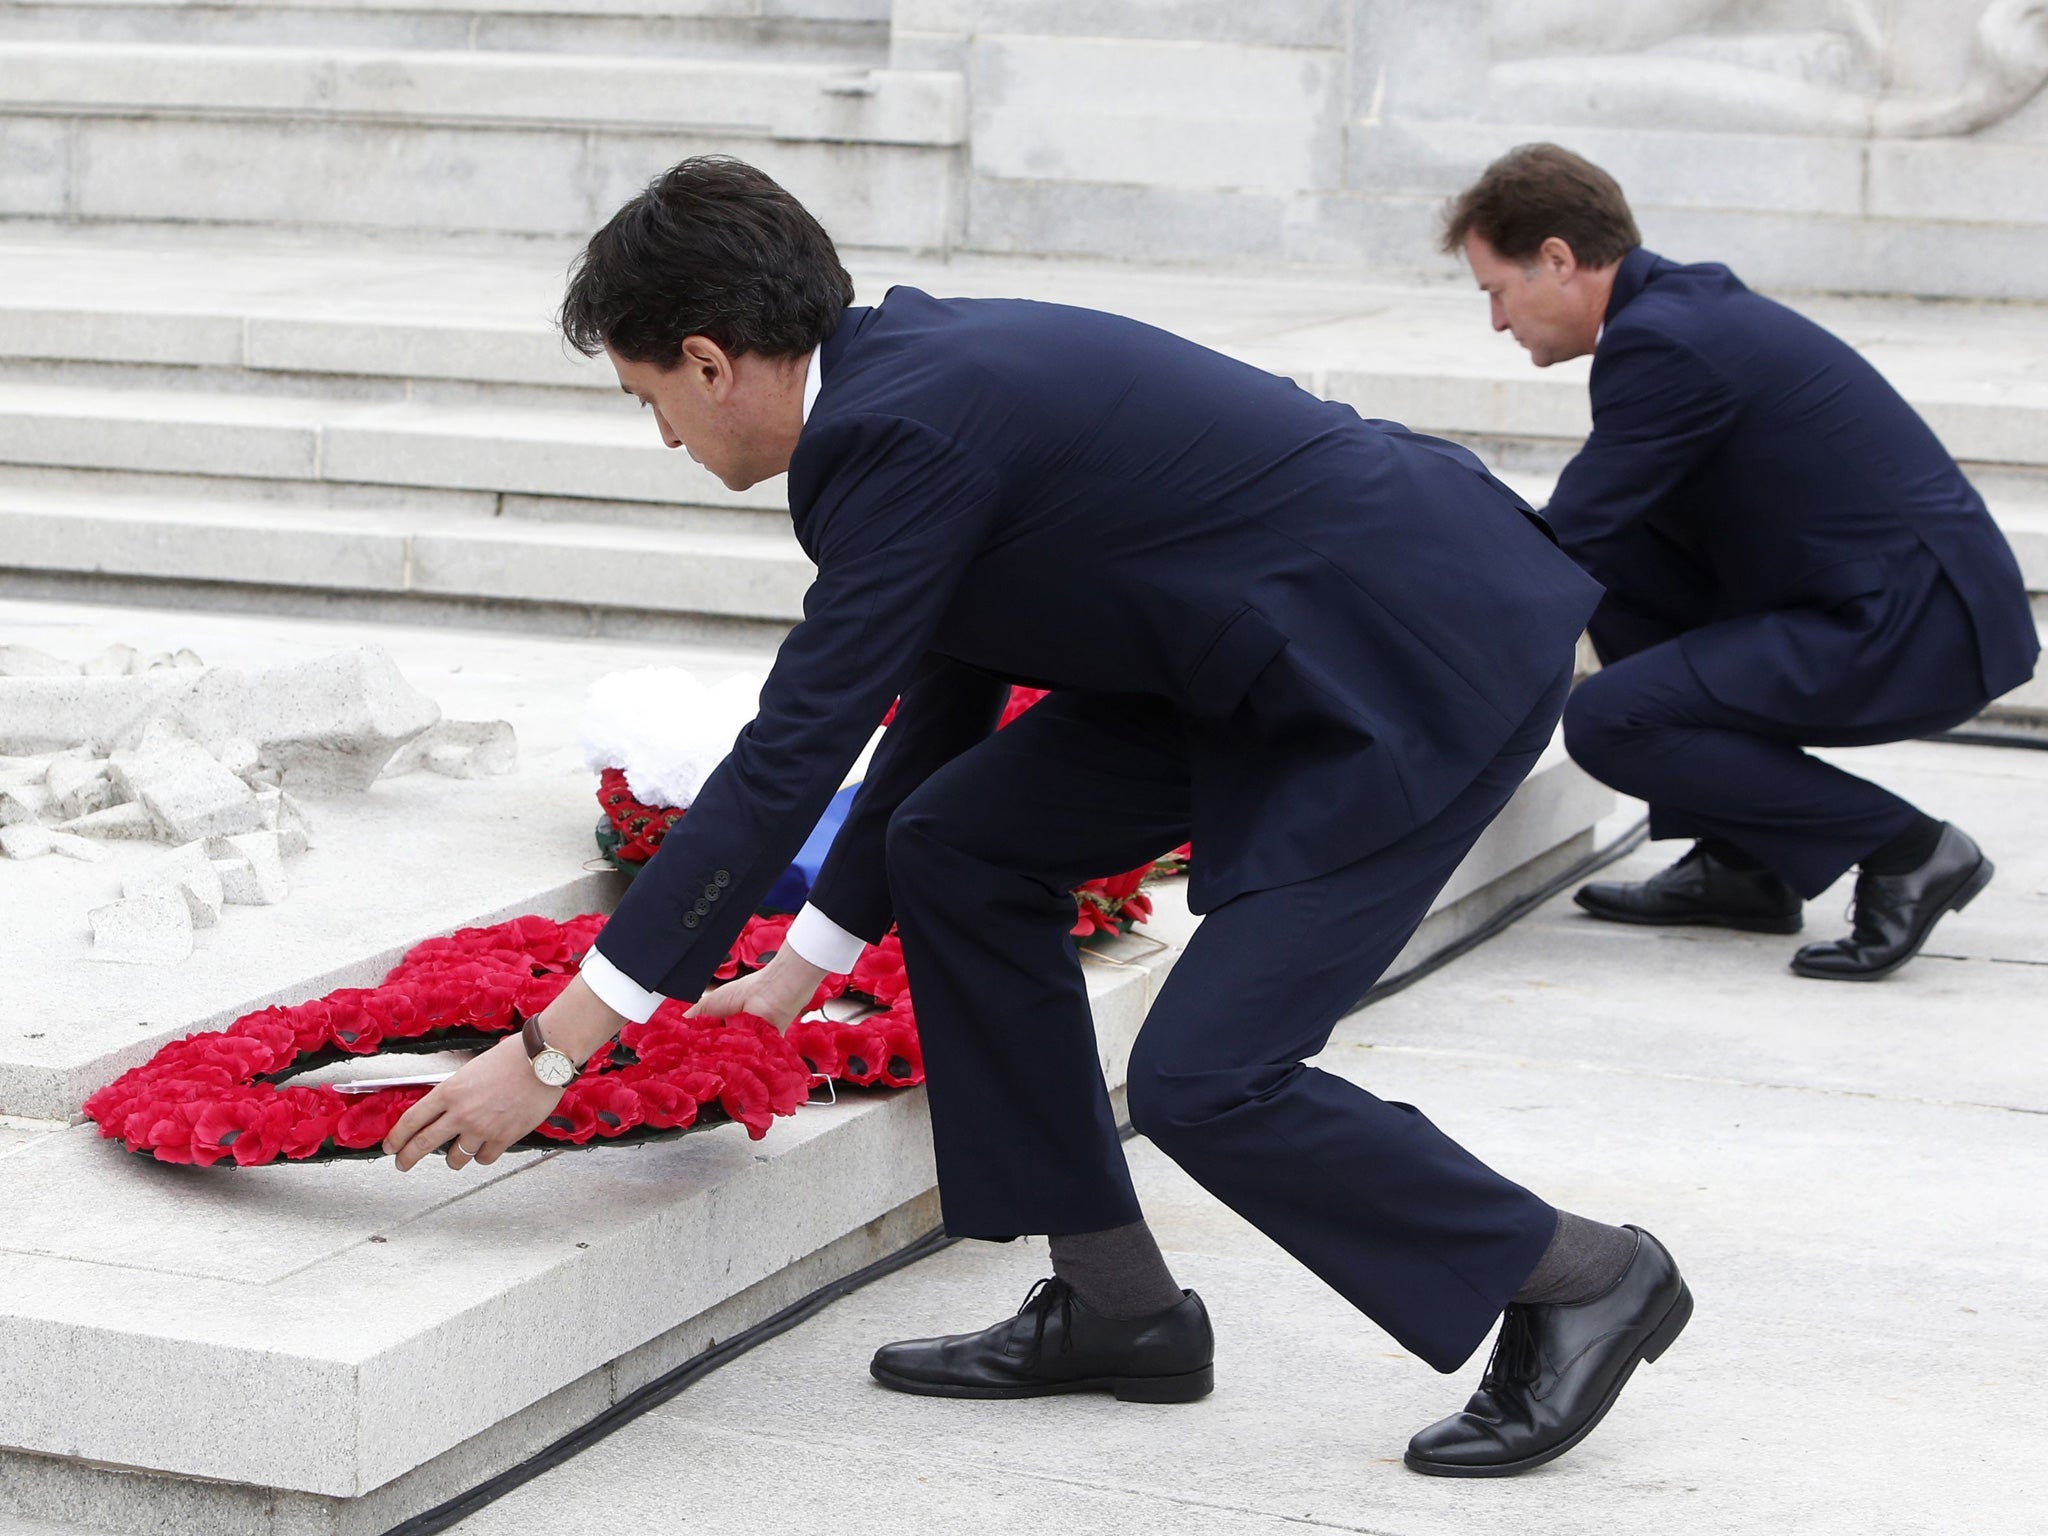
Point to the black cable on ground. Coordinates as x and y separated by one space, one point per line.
662 1388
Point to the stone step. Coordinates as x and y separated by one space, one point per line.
396 554
459 141
2018 501
409 413
816 31
1417 354
597 454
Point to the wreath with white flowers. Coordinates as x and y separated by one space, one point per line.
666 771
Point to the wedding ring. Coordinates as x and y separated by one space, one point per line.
465 1151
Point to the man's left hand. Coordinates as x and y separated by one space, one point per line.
496 1100
479 1112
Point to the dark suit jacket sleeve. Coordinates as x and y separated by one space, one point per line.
947 707
899 513
1659 413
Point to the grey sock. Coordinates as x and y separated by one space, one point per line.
1117 1272
1584 1258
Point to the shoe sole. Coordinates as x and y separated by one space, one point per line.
1778 925
1966 893
1653 1346
1185 1388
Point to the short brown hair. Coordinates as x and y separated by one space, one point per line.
1535 191
712 247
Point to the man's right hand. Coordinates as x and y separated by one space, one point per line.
778 992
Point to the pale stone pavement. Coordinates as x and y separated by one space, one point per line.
1850 1175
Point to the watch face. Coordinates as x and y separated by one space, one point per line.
554 1069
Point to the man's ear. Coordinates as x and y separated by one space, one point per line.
1556 257
708 365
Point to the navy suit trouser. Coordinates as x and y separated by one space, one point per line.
1402 1221
1647 725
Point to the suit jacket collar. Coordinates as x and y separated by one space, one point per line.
1635 271
851 324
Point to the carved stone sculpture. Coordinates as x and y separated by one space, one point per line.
1832 67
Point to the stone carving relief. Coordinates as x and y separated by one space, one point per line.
1837 67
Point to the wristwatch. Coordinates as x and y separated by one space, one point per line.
549 1064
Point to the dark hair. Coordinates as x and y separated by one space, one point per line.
711 248
1538 190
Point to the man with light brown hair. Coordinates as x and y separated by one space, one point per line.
1791 559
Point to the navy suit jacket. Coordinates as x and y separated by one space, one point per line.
1349 618
1744 461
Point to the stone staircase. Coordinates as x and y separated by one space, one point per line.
210 426
446 118
270 421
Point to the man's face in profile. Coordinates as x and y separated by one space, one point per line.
714 407
1544 301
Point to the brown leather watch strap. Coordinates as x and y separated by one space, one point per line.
530 1033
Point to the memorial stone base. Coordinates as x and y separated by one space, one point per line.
325 1350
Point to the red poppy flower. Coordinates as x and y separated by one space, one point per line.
617 1105
573 1121
167 1132
761 938
879 973
664 1105
369 1119
818 1042
252 1131
1020 700
903 1065
314 1113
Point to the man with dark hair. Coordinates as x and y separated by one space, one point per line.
1791 560
1324 648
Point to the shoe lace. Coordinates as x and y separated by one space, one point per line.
1516 1355
1862 929
1049 1293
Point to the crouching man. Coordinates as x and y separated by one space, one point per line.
1791 560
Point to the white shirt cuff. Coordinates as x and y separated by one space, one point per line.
816 938
618 991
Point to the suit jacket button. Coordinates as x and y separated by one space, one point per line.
723 877
700 906
691 919
712 893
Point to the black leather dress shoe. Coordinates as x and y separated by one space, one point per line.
1699 890
1055 1344
1556 1370
1895 913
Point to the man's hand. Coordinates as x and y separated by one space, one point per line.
477 1113
496 1099
778 992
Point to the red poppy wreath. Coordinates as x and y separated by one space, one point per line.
226 1097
